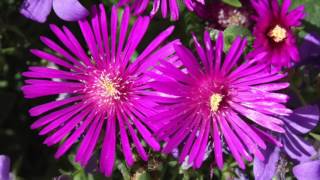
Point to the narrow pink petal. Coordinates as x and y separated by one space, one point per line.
66 129
78 50
52 116
217 144
38 110
61 120
164 8
218 53
203 145
55 47
209 50
147 136
190 141
93 142
259 118
231 54
231 145
247 128
75 136
179 136
80 155
89 38
174 9
201 53
51 58
124 28
188 60
196 145
108 154
104 31
125 145
137 142
113 29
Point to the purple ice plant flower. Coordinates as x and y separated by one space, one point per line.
273 32
38 10
171 6
214 102
104 93
300 122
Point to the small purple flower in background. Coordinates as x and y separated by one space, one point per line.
307 170
172 6
273 32
4 168
221 16
300 122
310 50
105 91
38 10
310 47
205 101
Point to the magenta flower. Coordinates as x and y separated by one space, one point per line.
300 122
139 6
214 98
38 10
101 94
273 32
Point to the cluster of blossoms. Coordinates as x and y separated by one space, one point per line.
211 101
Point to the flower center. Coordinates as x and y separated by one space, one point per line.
104 88
109 87
277 34
215 101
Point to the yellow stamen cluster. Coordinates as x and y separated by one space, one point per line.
215 101
109 87
277 34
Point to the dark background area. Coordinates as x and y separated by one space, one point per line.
30 159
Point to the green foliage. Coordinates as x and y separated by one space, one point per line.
235 3
232 32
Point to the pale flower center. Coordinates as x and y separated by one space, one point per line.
215 101
109 87
277 34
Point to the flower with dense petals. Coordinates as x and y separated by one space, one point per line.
139 6
300 122
273 32
38 10
215 97
101 94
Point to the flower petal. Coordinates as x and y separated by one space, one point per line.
308 170
303 119
37 10
69 10
267 168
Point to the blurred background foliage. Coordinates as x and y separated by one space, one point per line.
33 160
